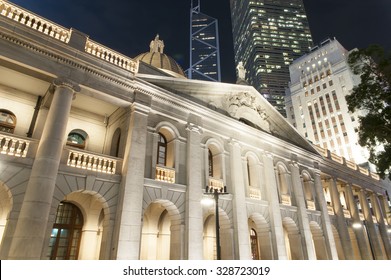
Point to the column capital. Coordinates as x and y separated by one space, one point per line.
64 82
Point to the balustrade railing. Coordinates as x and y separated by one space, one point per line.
34 21
89 161
255 193
13 146
286 199
111 56
165 174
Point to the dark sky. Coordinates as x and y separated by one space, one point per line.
128 26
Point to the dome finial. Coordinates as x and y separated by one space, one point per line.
156 45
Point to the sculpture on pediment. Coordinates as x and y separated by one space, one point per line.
241 71
248 106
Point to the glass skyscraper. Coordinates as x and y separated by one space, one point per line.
268 35
204 46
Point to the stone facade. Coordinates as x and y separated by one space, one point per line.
90 183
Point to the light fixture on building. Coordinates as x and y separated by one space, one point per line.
216 191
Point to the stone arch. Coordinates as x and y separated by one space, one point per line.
253 175
162 231
97 226
165 170
283 183
338 243
309 189
292 239
216 149
209 234
319 241
262 227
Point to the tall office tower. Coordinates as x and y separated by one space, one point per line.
268 35
204 46
316 104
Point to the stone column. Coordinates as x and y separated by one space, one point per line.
380 216
277 230
130 204
370 227
342 227
31 228
360 234
304 225
242 234
327 229
195 187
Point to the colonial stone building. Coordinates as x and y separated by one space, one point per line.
107 157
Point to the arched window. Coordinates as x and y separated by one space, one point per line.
162 150
66 233
254 244
77 138
115 143
7 121
210 163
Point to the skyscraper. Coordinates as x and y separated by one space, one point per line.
268 35
316 104
204 46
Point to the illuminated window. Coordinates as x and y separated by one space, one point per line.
162 150
210 163
66 233
7 121
77 138
254 244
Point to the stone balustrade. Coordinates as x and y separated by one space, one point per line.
34 21
165 174
110 56
215 183
346 213
40 24
13 146
254 193
286 199
90 161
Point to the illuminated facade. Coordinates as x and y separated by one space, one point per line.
119 152
268 35
204 46
316 104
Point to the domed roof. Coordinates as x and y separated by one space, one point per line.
158 59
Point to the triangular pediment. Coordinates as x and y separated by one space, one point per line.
242 102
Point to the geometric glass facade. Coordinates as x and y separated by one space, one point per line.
204 47
268 35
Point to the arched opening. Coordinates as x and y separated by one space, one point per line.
116 143
209 236
283 183
77 138
253 179
161 232
293 241
261 227
161 150
318 241
7 121
65 237
338 244
254 244
309 192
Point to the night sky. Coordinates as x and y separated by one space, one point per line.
128 26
